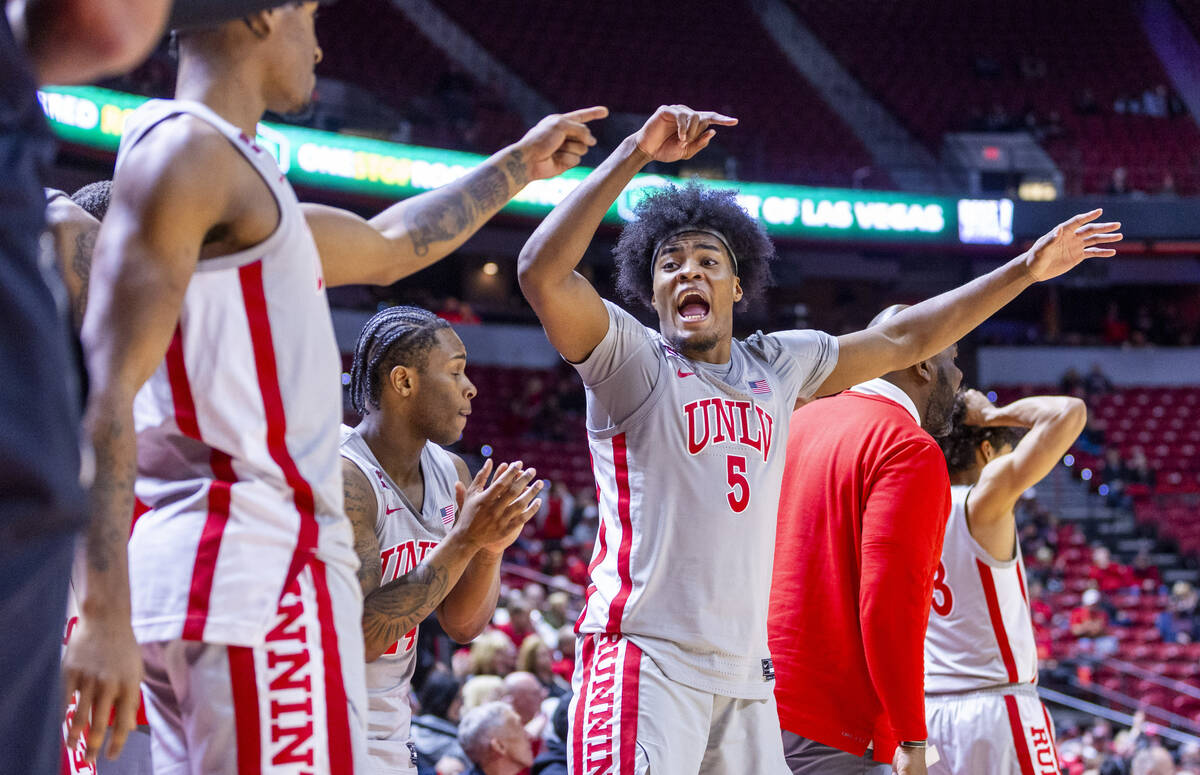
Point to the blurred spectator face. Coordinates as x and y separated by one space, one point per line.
535 596
1091 598
513 743
566 643
518 614
557 604
544 660
1189 755
1101 557
506 659
1152 761
1183 597
1036 590
524 692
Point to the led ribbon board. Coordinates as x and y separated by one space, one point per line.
94 117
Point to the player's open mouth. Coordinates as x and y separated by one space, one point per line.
693 307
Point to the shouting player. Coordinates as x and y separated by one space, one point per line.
687 427
209 343
403 492
981 662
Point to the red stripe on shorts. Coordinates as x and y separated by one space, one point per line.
993 604
581 701
621 469
1053 738
631 673
1018 732
245 710
255 299
341 755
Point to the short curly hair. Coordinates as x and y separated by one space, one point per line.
665 210
961 443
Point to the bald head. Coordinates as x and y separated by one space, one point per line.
525 693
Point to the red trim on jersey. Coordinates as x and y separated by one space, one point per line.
341 754
209 546
587 596
181 388
621 470
581 701
1021 581
255 298
205 563
1053 739
1018 732
629 708
246 721
993 604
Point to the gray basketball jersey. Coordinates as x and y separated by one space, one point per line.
688 458
405 537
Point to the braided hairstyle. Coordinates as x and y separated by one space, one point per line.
961 443
397 336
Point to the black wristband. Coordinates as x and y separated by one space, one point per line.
914 744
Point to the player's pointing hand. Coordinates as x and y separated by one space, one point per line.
556 144
1070 243
677 132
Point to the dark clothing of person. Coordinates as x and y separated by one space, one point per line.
42 504
434 738
552 760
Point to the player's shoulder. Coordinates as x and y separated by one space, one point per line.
449 460
180 150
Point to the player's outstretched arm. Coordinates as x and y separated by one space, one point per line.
569 308
163 203
1054 422
925 329
411 235
487 512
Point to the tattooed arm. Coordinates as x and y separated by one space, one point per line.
411 235
72 234
486 512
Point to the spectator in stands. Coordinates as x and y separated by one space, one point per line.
1152 761
1097 383
1109 576
1146 572
535 658
1071 383
1189 759
525 693
556 613
1089 626
586 519
1116 330
480 690
493 653
1140 471
494 740
1041 613
435 731
519 625
1167 188
564 666
553 758
555 515
1179 623
1118 182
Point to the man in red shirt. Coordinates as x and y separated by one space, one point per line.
861 518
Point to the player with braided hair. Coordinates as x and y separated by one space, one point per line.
429 537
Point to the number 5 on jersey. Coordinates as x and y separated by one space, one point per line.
739 487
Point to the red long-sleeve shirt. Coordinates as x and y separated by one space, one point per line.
863 511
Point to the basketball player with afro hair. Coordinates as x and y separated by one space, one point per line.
687 427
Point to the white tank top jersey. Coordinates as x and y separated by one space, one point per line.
405 537
688 459
980 632
237 429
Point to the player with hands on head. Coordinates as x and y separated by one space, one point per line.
981 701
687 427
429 536
207 258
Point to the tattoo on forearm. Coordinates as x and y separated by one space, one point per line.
515 164
398 606
81 265
444 218
489 188
111 495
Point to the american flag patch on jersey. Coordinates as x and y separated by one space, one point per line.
448 513
759 387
